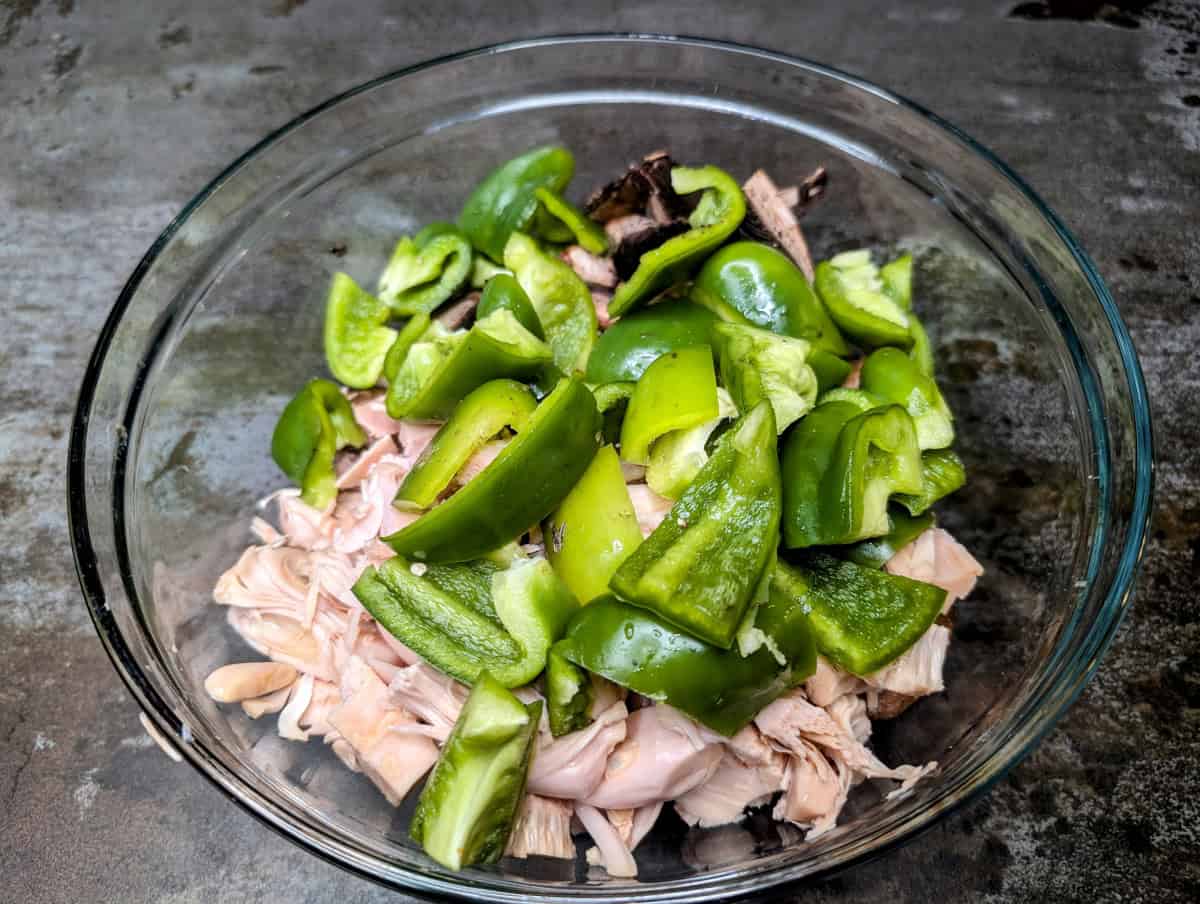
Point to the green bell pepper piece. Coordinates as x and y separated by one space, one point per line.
856 299
503 292
469 804
752 283
719 213
894 377
578 227
410 334
876 552
526 482
942 473
483 269
505 202
480 416
840 465
862 618
594 530
633 343
830 370
561 299
313 426
677 457
757 364
443 367
357 337
921 351
722 689
612 401
569 695
897 280
677 391
426 270
701 565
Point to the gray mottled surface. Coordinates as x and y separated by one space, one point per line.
112 114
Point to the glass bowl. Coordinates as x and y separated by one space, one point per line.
221 322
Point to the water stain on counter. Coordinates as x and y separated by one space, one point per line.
1126 14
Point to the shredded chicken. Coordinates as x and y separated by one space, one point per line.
918 670
937 558
542 829
829 682
434 698
732 788
649 507
609 852
777 217
600 300
574 765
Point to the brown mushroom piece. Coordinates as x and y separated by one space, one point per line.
644 188
776 219
633 245
460 313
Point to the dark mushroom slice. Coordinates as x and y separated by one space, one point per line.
591 268
777 219
644 188
631 248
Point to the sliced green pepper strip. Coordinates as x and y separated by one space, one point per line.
483 269
469 804
700 566
942 473
876 552
586 232
830 370
862 618
503 293
442 368
409 335
677 457
721 688
752 283
840 465
313 426
633 343
594 530
357 337
561 299
426 270
855 297
612 401
893 376
720 211
921 351
757 364
677 391
897 280
480 416
505 202
526 482
569 695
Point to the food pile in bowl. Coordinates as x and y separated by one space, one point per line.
605 509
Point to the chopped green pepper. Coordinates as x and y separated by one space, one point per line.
897 280
409 335
612 401
894 377
942 473
480 416
677 391
483 269
503 292
701 565
594 530
569 695
862 618
586 232
752 283
720 211
633 343
677 457
426 270
757 364
876 552
840 465
528 479
469 804
357 337
855 297
313 426
505 202
830 370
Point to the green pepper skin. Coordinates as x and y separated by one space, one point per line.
830 370
527 481
633 343
876 552
677 457
855 296
569 695
480 416
752 283
313 426
676 392
701 565
894 377
897 280
840 465
719 213
357 337
862 618
469 804
505 201
722 689
612 401
586 233
409 335
426 270
757 364
503 293
942 473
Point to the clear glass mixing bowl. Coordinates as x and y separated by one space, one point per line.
221 322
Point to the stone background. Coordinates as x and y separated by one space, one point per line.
112 114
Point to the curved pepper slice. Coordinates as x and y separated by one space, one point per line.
313 426
897 277
830 370
752 283
612 401
942 473
701 565
757 364
480 416
528 479
862 618
677 457
574 223
469 804
443 367
594 530
720 211
856 299
561 299
505 201
503 293
357 337
894 377
876 552
633 343
677 391
721 688
409 335
840 465
426 270
569 695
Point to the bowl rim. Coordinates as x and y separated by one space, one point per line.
1101 630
